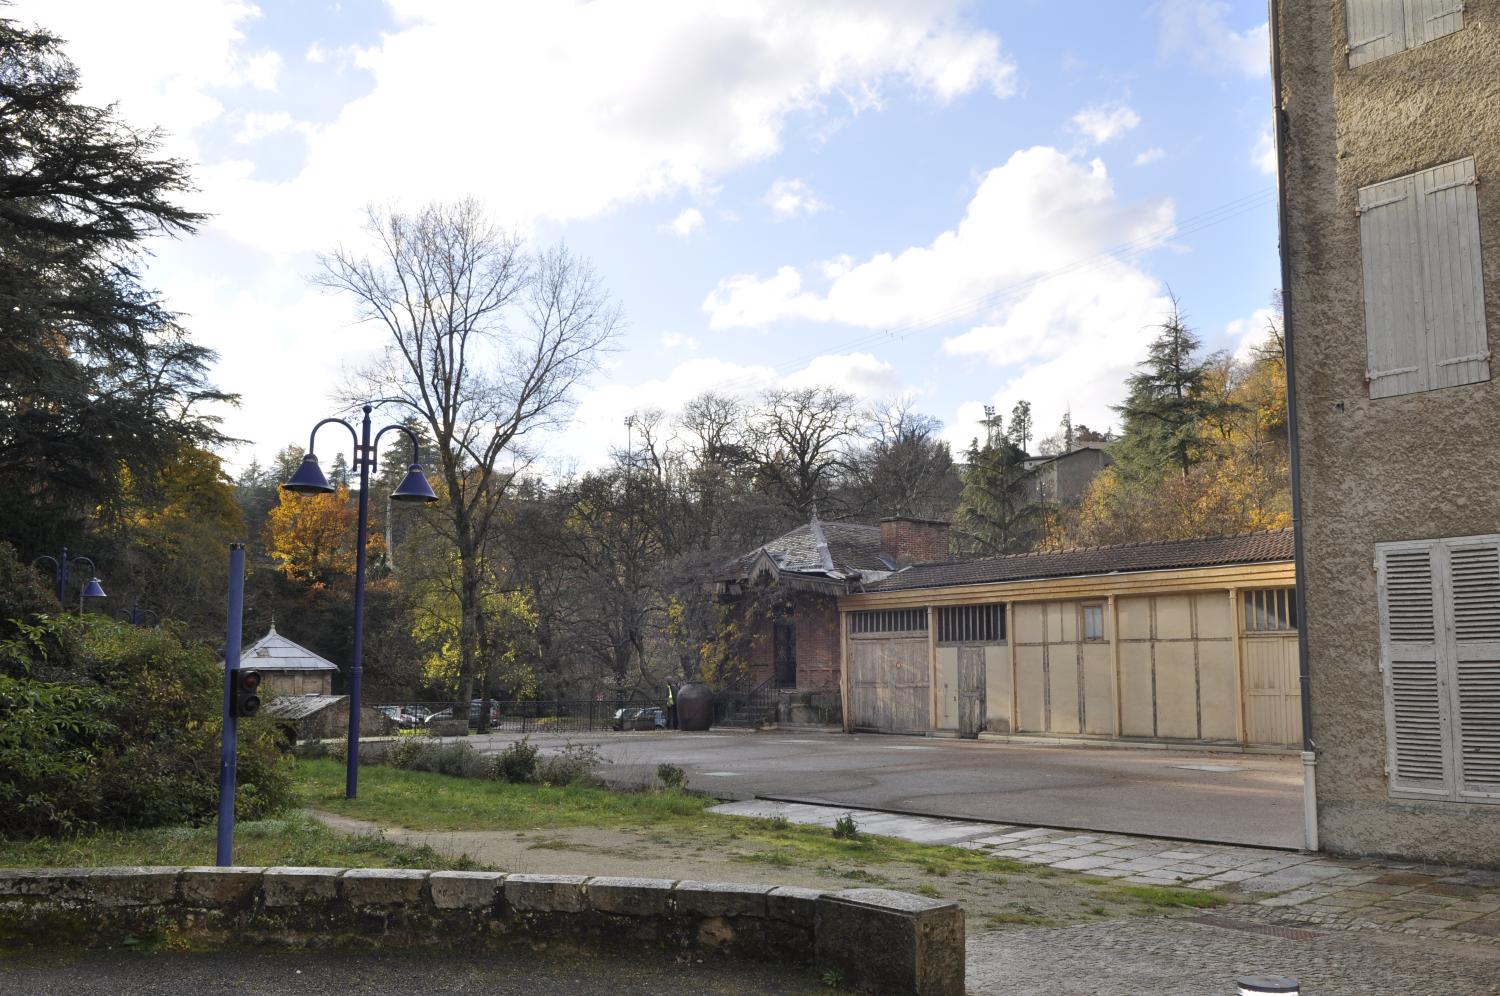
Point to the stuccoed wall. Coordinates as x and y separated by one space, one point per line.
1409 467
874 939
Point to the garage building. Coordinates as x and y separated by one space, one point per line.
1184 641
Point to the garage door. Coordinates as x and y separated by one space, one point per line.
889 688
1177 677
1063 680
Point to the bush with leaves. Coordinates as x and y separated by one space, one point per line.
671 777
518 763
574 763
106 725
456 759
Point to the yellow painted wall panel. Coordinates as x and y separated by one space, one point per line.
1062 673
1136 716
1214 618
1031 704
1218 704
1028 623
1098 696
1135 618
947 688
1174 617
997 687
1176 691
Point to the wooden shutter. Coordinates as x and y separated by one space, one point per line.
1452 282
1429 19
1416 744
1397 359
1377 28
1474 578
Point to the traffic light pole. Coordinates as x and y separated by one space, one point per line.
231 682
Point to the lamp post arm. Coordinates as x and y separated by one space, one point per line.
313 436
93 571
52 561
416 448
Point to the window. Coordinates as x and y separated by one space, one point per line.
1440 663
1424 292
888 621
971 624
1273 610
1378 28
1093 622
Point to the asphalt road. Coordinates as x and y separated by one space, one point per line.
1203 796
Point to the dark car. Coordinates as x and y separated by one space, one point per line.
649 718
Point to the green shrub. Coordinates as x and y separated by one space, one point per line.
517 763
109 726
844 828
671 777
574 763
457 759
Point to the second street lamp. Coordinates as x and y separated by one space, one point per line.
309 480
61 567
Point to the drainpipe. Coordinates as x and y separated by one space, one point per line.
1309 748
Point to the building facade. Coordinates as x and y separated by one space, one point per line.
1185 641
1389 142
287 668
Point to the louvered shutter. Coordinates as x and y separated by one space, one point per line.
1377 28
1474 580
1429 19
1417 752
1397 359
1452 283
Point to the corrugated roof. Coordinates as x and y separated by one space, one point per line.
274 652
300 706
1218 551
852 547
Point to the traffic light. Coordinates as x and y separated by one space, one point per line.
246 693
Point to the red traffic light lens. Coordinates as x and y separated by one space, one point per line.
249 680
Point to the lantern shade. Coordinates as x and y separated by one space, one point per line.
414 487
93 589
309 479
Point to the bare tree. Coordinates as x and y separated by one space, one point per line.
906 469
485 344
800 435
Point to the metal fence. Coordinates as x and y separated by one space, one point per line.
550 716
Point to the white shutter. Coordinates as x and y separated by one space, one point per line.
1452 282
1377 28
1416 747
1474 577
1429 19
1397 359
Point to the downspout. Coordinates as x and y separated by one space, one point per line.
1309 747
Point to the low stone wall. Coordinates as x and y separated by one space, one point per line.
875 939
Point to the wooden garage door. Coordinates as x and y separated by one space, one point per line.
889 689
1177 676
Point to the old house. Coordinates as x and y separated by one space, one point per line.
1389 147
1064 478
1188 641
287 668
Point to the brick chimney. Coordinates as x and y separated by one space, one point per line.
913 541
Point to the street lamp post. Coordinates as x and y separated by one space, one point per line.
136 616
309 480
61 567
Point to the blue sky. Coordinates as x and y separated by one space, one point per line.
962 203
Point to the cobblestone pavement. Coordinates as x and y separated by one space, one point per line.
1191 957
1332 893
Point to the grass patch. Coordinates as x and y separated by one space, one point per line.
1165 897
295 839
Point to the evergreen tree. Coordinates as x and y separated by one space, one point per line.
1021 425
996 512
1169 409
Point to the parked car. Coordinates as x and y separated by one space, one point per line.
649 718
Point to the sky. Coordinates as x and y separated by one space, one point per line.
956 203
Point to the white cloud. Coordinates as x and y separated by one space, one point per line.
642 100
262 70
1105 122
685 224
1199 30
676 340
316 54
1040 212
256 125
1146 157
1245 334
1264 154
791 198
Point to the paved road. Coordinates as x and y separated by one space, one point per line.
1204 796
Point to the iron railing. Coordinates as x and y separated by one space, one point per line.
524 717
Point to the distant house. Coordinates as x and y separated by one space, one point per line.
1064 478
319 717
287 668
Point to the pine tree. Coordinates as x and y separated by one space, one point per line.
996 513
1021 425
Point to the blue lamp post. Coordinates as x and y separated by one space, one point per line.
61 567
310 480
136 615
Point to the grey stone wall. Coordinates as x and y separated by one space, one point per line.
874 939
1415 466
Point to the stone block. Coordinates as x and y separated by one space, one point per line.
476 891
891 942
545 893
721 898
210 886
291 886
127 886
793 904
631 896
383 886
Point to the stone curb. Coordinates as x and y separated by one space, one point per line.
875 939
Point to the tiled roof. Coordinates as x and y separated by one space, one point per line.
300 706
1249 548
274 652
854 548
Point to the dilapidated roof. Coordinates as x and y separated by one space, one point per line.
300 706
832 549
1218 551
274 652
